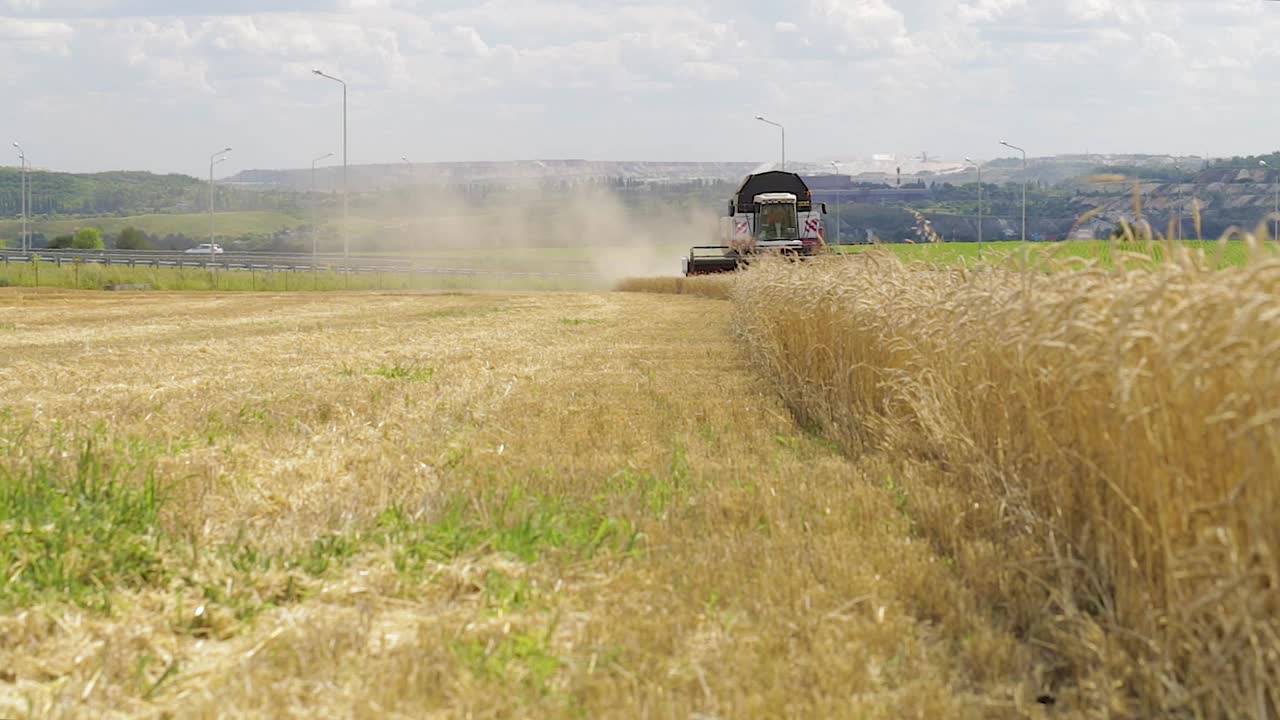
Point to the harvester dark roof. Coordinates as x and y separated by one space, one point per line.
774 181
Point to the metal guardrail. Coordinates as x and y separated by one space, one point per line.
262 262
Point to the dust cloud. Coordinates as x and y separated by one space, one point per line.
570 230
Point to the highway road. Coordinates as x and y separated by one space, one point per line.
264 262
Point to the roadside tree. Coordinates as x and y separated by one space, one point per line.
88 239
131 238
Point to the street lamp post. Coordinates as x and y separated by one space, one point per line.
22 193
214 159
315 205
836 165
979 167
412 178
1275 219
31 201
1024 187
346 232
762 119
1177 235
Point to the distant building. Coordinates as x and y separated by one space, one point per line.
830 188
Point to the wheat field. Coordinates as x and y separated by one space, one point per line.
1095 449
846 487
455 505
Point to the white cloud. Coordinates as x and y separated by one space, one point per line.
983 11
446 79
38 37
866 26
469 42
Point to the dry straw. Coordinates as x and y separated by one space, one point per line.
710 286
1104 444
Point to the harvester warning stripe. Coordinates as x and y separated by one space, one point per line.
811 225
742 229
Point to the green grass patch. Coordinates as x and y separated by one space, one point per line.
522 658
521 525
325 552
406 372
1219 253
504 593
657 493
84 529
77 534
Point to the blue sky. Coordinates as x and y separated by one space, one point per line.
158 85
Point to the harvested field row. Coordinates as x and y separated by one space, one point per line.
1097 452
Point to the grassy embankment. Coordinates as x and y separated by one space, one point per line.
474 505
1094 450
580 267
495 238
563 268
95 277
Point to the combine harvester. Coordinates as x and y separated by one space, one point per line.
771 214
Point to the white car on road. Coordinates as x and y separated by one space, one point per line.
205 249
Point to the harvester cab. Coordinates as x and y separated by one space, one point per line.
776 221
772 213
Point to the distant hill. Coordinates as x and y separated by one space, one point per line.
1237 191
107 193
369 178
